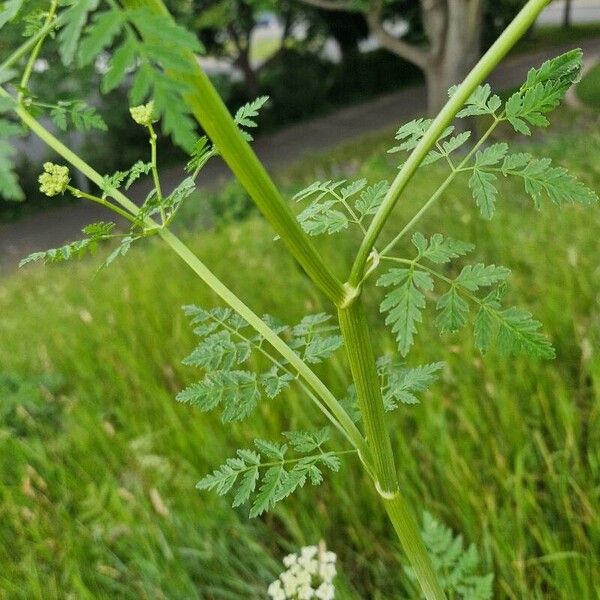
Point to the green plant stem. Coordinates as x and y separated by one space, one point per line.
484 67
342 420
212 114
79 194
36 49
26 46
154 169
355 330
445 184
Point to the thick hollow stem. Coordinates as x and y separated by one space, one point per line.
484 67
355 330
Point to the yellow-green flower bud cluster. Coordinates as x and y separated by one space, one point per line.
54 180
143 114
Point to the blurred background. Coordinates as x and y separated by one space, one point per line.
98 462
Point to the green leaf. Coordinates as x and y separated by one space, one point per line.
307 441
481 102
121 250
453 311
218 351
484 192
245 115
122 59
244 470
405 303
99 35
473 277
164 31
400 383
75 18
542 179
81 115
438 249
319 218
456 142
491 155
514 330
321 348
9 10
518 333
267 492
9 183
353 188
137 170
542 91
271 449
371 198
247 486
410 134
236 391
275 382
199 155
455 566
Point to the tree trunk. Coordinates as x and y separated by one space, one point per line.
250 75
567 14
454 28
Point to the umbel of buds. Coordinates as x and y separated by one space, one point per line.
143 114
309 575
54 180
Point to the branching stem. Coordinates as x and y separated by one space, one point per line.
48 24
335 409
484 67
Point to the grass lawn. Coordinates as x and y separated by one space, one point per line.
98 462
588 88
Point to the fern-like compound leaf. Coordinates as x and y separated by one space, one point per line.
267 475
456 566
401 383
99 35
481 102
246 115
95 233
438 249
74 18
542 92
542 179
405 303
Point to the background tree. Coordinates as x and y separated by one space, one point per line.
452 36
227 29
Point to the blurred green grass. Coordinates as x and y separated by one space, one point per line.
98 462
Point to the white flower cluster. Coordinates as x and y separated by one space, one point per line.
309 575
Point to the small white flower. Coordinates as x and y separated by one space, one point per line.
276 591
290 560
305 593
313 566
308 552
327 572
290 583
304 578
309 564
325 591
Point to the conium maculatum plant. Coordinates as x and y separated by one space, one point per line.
169 88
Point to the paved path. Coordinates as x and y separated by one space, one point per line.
54 227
